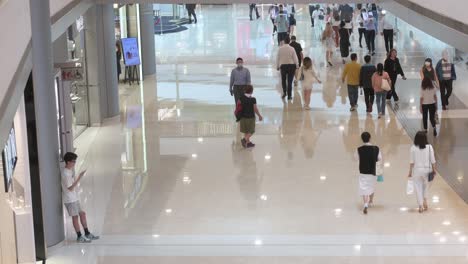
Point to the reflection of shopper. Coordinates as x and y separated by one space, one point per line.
72 200
252 7
191 12
71 48
118 55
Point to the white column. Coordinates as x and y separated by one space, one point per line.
46 125
148 53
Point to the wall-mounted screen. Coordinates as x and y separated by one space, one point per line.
9 158
130 51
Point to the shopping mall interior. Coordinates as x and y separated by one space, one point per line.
142 93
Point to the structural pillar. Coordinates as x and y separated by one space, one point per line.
46 126
101 63
148 53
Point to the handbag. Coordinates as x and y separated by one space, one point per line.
430 175
385 85
238 111
410 187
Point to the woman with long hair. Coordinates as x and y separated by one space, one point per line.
393 67
428 71
428 103
308 78
344 41
328 39
422 163
378 78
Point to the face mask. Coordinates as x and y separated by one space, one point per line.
427 64
239 65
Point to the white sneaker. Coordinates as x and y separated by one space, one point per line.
90 236
306 107
83 239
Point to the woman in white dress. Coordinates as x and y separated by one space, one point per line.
328 38
422 162
308 78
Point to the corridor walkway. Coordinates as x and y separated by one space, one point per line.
168 181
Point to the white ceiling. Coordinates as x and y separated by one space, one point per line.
234 1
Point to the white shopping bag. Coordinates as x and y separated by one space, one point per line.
410 187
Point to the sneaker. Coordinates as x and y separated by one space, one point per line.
380 115
289 98
352 108
435 132
306 107
244 142
365 210
90 236
250 145
83 239
284 96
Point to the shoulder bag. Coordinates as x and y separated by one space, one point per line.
385 85
431 174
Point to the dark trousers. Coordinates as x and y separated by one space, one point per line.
429 109
393 92
287 76
252 7
353 94
274 26
281 36
446 87
388 38
311 11
191 12
362 32
370 40
369 98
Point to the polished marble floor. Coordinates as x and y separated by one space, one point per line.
168 181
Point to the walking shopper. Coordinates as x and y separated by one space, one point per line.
351 73
328 39
292 25
446 75
428 71
422 165
367 71
368 156
247 121
298 48
428 103
287 62
386 30
308 78
361 27
393 68
191 12
273 11
252 7
370 33
311 12
71 198
240 78
336 24
344 41
379 79
282 25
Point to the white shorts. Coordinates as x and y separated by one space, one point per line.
74 209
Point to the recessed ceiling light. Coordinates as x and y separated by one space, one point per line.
322 178
194 155
168 211
155 235
446 223
258 242
267 157
200 139
357 247
263 197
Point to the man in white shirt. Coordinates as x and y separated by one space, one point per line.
386 27
287 62
72 200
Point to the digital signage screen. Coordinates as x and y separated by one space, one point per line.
130 51
9 158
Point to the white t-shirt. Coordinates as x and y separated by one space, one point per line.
68 178
422 159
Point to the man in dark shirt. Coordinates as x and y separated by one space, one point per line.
367 70
346 13
298 48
